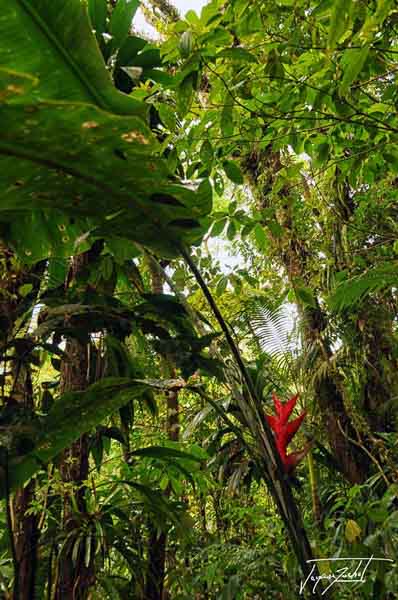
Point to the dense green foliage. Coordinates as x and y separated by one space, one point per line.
188 225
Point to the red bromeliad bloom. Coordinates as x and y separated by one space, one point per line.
284 431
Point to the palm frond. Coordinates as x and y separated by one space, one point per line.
274 328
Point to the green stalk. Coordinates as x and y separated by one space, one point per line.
316 506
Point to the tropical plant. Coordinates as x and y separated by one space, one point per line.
189 227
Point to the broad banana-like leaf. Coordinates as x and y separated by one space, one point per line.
74 414
72 145
52 41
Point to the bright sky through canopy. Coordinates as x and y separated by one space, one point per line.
182 5
185 5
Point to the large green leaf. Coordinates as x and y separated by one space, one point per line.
63 147
84 161
72 415
53 41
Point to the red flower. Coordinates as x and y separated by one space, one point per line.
284 431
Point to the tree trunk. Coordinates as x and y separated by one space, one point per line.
75 577
157 542
24 533
25 527
375 325
380 385
351 459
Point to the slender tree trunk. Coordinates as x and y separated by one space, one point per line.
24 533
25 527
221 523
157 543
75 577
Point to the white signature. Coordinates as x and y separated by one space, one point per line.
345 574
